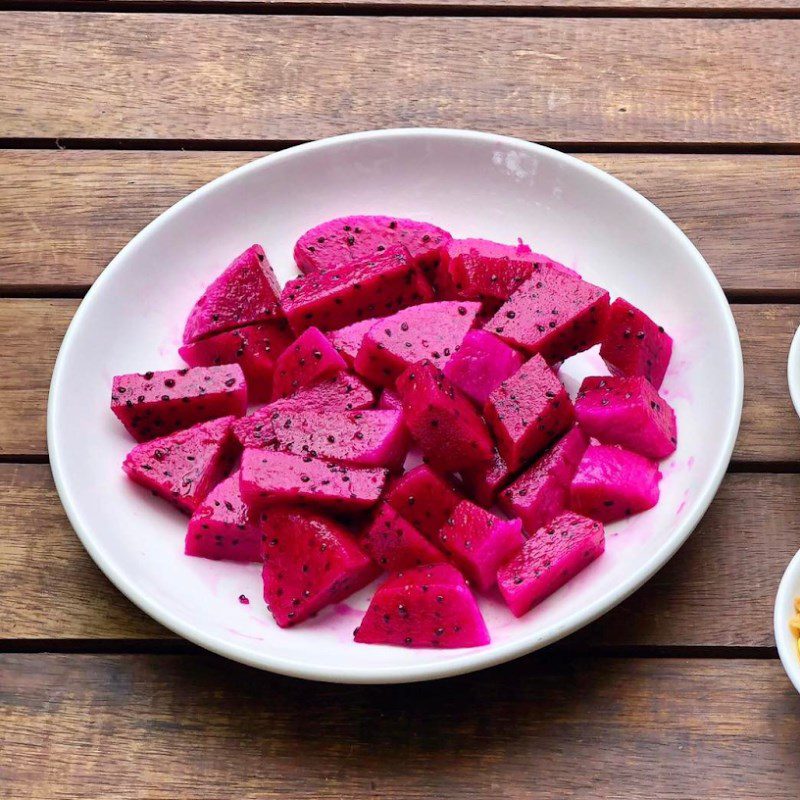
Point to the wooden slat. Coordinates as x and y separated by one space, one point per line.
132 727
65 214
31 331
145 76
673 6
718 590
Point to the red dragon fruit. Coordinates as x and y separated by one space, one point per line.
612 483
254 348
184 466
158 403
527 411
634 345
551 557
483 481
488 271
223 527
542 491
347 340
428 606
433 331
342 392
245 293
273 477
481 364
356 238
628 412
310 561
553 314
390 401
448 430
424 498
479 542
394 543
310 359
358 290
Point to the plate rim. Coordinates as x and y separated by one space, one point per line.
473 659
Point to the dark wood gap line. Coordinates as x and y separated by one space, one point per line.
257 145
497 10
25 458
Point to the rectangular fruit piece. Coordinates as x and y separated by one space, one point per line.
634 345
628 412
332 298
554 314
158 403
527 412
484 481
347 340
550 558
612 483
311 358
270 477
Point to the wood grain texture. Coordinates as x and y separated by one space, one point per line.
770 428
718 590
258 77
65 214
659 6
162 727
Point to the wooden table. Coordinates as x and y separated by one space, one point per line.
111 111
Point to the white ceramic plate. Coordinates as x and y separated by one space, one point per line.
788 590
473 184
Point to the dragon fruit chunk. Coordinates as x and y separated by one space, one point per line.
223 527
550 558
246 292
428 606
484 270
363 438
628 412
433 331
484 481
527 411
450 433
424 498
342 392
347 340
634 345
542 491
553 314
310 561
184 466
394 543
273 477
479 542
481 364
612 483
332 298
254 348
390 401
356 238
159 403
311 358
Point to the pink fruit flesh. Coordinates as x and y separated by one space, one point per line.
550 558
246 292
159 403
481 364
433 331
612 483
347 340
634 345
527 412
222 526
394 543
542 491
184 466
479 542
332 298
424 498
254 348
428 606
309 562
310 359
484 481
390 401
628 412
271 477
